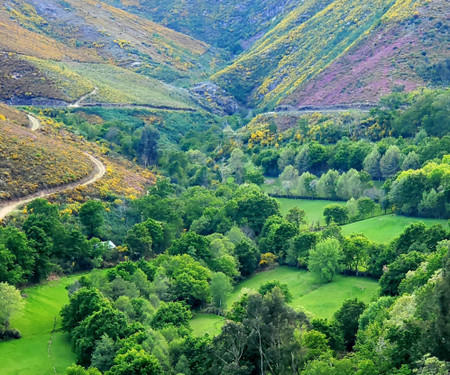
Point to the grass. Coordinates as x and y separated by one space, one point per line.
313 207
32 354
207 323
115 84
385 228
309 293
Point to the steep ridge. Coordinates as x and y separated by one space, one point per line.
318 34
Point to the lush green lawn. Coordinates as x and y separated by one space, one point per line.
309 293
387 227
207 323
313 207
32 354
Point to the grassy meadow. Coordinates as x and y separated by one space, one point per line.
313 207
385 228
36 324
309 293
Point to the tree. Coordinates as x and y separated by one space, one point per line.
289 179
326 186
104 353
220 289
336 213
248 256
189 280
193 244
21 254
136 361
306 185
396 271
139 242
82 304
302 160
175 314
296 216
268 286
411 161
236 164
390 162
254 207
366 206
372 164
287 157
147 147
108 321
325 258
299 246
355 251
91 216
11 303
347 317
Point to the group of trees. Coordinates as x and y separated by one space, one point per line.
126 322
424 192
47 242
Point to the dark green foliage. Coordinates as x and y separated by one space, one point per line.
172 313
106 320
270 285
82 304
91 216
335 213
248 256
135 362
192 244
347 318
298 252
396 271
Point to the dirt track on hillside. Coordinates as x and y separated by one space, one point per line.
99 170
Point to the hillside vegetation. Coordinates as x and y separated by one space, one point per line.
361 49
230 24
31 161
86 32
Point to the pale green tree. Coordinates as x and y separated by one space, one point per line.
220 289
325 258
11 304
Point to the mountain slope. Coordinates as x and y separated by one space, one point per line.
31 161
319 33
42 35
230 24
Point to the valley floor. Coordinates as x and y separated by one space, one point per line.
309 293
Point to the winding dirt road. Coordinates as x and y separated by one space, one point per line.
98 172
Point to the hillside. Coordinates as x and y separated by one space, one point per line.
231 24
332 52
102 38
31 161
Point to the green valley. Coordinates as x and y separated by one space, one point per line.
193 187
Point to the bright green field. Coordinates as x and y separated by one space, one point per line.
32 354
320 299
387 227
313 207
207 323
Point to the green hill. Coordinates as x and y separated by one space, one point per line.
46 40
